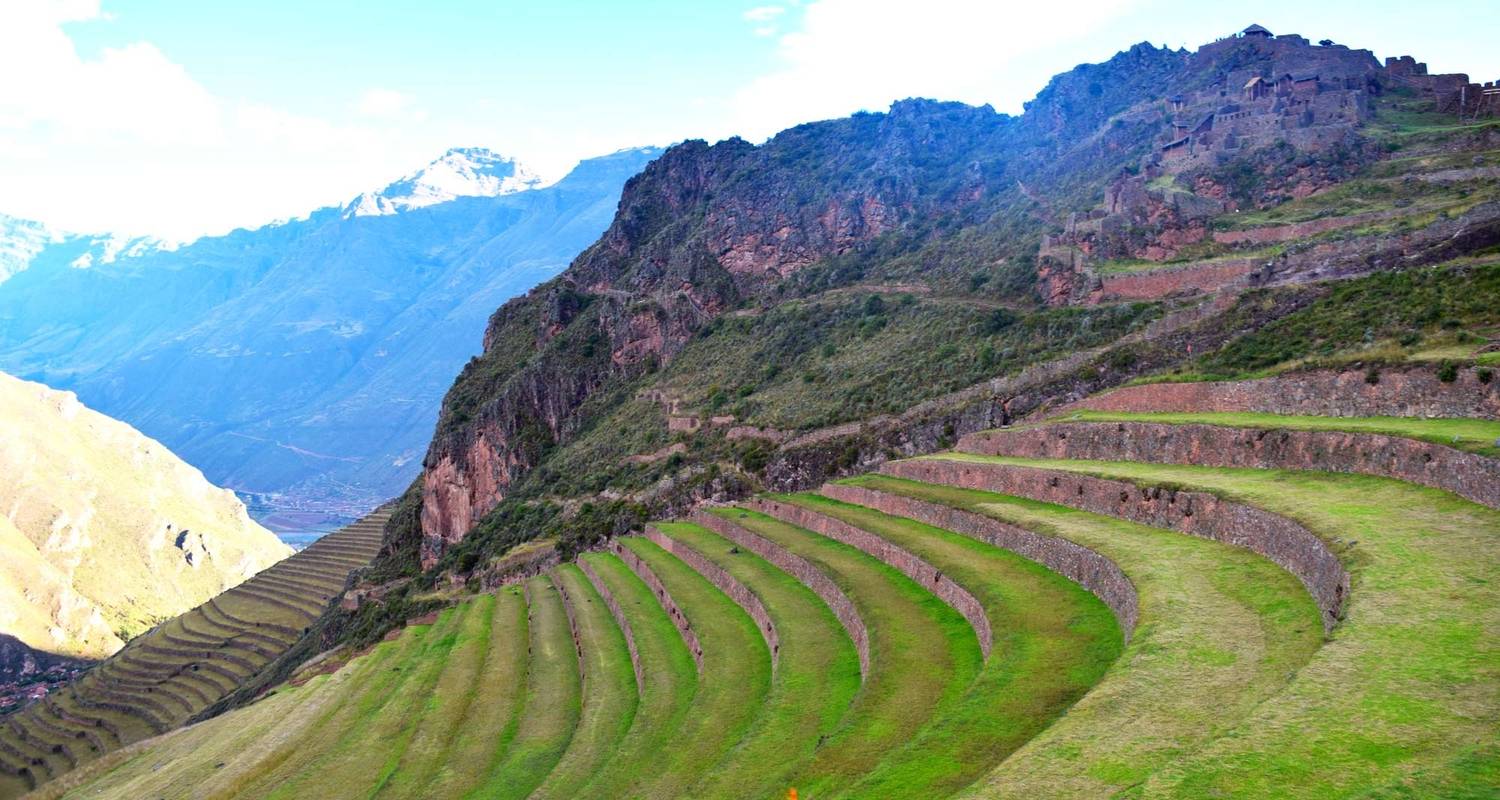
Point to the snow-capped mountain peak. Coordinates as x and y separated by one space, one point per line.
20 241
460 172
23 242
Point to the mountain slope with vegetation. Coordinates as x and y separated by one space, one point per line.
1134 446
105 531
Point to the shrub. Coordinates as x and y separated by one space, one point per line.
1372 376
1447 372
999 320
1484 375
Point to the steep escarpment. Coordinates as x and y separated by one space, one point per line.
875 286
104 531
702 230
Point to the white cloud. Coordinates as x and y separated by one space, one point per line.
764 13
383 103
765 19
128 91
849 55
128 141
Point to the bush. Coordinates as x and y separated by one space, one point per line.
1447 372
1484 375
1372 376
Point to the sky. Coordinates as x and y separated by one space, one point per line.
182 118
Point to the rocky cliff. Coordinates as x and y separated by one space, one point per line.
960 222
104 531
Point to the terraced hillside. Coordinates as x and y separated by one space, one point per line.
1106 603
163 678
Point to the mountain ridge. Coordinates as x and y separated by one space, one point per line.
323 393
958 199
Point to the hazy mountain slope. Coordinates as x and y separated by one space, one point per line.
327 341
104 531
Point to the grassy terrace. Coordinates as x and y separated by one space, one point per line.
667 694
257 748
733 686
415 717
1053 641
492 714
1403 693
445 709
1220 631
1474 435
552 700
816 678
609 690
923 656
365 749
164 677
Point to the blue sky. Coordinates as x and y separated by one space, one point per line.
179 117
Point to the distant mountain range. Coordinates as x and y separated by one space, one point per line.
301 363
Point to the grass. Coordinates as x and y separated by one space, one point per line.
323 731
1472 435
445 709
672 681
1362 196
816 679
372 744
1053 641
493 714
551 704
1185 258
923 656
1406 685
609 691
1220 631
149 673
1359 312
732 688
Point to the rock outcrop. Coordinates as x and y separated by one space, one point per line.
104 531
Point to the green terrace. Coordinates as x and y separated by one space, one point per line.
958 625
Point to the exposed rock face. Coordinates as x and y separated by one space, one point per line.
104 532
700 230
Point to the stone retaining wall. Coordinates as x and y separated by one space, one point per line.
726 583
572 613
1172 281
803 570
1083 566
1195 513
1296 231
1468 475
619 614
643 571
1412 392
907 562
252 624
